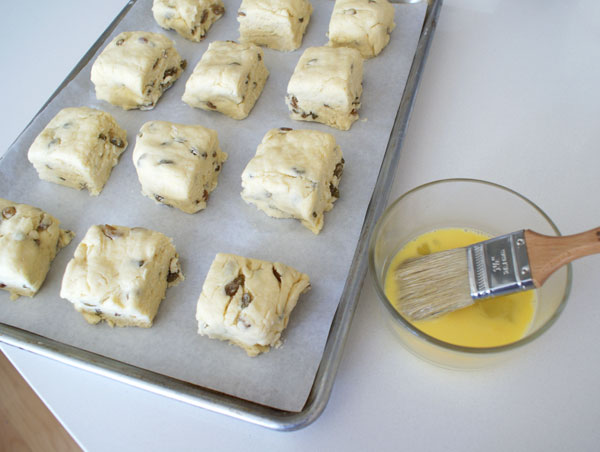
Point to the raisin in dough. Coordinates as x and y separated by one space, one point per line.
121 275
294 174
326 86
229 79
190 18
362 24
177 164
278 24
248 302
78 148
29 241
135 69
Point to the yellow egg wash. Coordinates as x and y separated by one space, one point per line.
487 323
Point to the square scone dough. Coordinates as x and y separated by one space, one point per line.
178 165
228 78
121 275
135 68
190 18
326 86
278 24
294 174
29 241
362 24
248 302
78 148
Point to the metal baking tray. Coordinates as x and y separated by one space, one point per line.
324 379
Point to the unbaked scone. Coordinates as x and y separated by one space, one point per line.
190 18
294 174
228 78
248 302
29 241
278 24
121 275
326 86
78 148
178 164
362 24
135 68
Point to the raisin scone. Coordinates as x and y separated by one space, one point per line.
121 275
78 148
248 302
278 24
190 18
326 86
29 241
294 174
135 68
228 78
362 24
178 165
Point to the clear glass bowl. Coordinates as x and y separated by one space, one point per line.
472 204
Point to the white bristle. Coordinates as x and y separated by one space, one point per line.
433 285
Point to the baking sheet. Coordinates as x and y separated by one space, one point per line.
283 377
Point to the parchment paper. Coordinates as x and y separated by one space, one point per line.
283 377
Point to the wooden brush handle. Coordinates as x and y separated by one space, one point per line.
547 254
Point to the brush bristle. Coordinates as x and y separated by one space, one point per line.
433 285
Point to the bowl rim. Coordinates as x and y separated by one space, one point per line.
430 339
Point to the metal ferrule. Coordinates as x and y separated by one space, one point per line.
499 266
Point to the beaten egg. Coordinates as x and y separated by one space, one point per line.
487 323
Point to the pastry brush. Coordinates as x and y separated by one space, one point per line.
438 283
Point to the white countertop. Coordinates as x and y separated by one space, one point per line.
510 94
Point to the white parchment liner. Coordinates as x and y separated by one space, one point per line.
283 377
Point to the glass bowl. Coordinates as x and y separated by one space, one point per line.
472 204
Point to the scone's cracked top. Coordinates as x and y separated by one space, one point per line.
278 24
78 148
178 165
135 68
29 241
362 24
190 18
294 174
121 274
326 86
229 78
248 302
